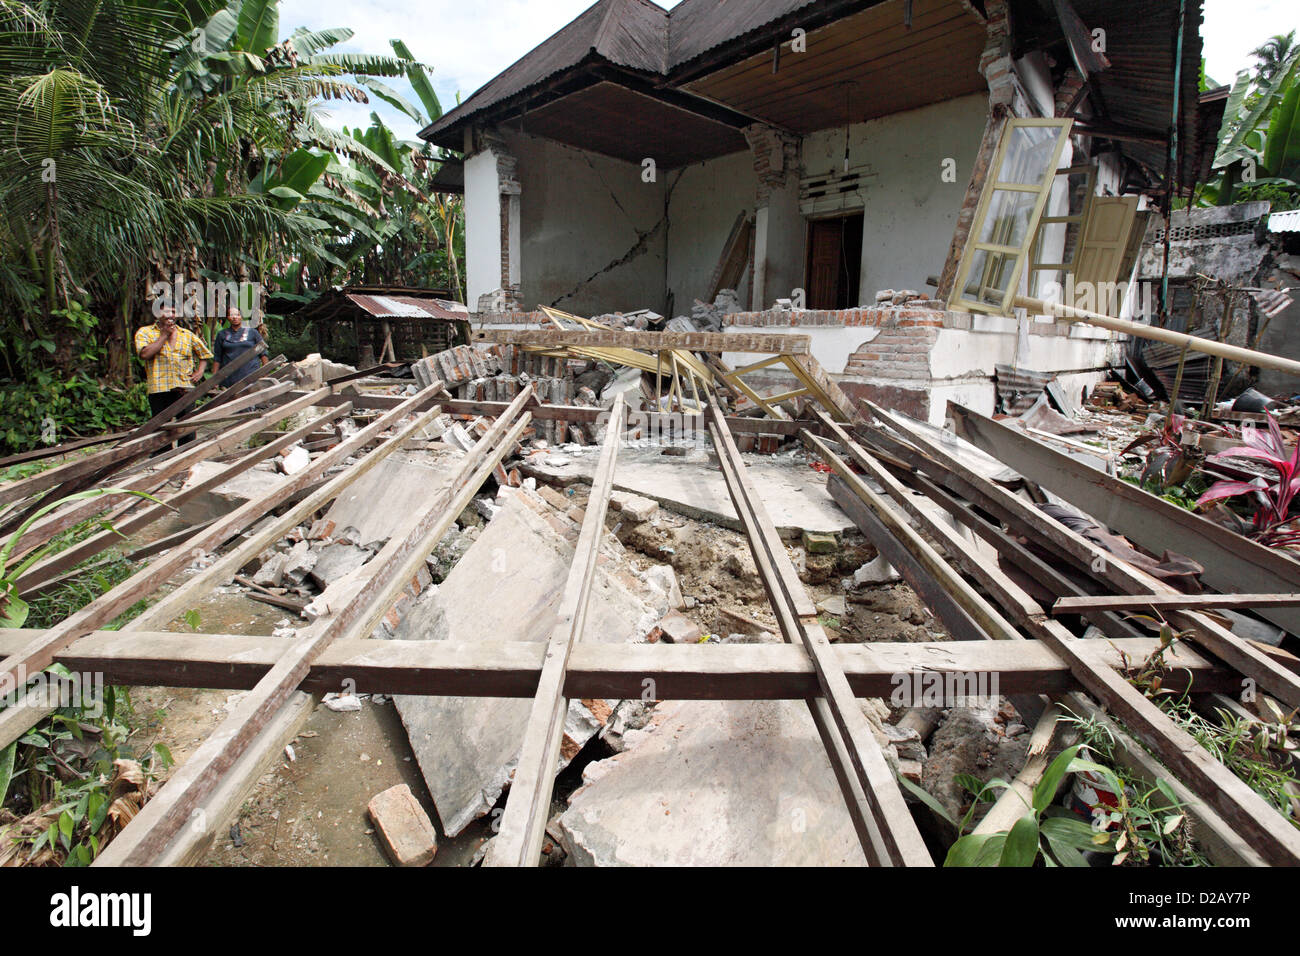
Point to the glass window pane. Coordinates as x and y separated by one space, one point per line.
989 277
1028 159
1007 220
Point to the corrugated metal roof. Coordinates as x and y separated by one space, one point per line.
407 307
1284 221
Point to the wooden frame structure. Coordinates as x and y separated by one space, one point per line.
1037 660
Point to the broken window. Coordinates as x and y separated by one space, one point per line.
1061 227
1006 222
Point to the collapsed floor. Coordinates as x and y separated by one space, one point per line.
639 781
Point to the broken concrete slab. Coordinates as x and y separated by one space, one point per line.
795 496
381 502
298 563
403 827
633 507
505 588
676 628
686 793
336 561
255 482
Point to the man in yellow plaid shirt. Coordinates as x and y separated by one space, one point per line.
170 353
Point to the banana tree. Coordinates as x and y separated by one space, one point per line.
1259 142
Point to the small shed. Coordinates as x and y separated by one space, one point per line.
377 324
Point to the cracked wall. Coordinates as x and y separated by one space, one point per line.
593 234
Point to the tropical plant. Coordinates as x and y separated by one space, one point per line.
1271 524
1259 140
142 140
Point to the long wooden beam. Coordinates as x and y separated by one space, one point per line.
1104 566
1232 563
40 653
1171 602
1159 334
1246 811
380 581
755 342
523 824
41 574
598 671
885 826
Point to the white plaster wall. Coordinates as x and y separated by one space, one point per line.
910 212
831 346
580 213
482 227
704 200
959 353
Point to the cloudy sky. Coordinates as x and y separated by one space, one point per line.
467 42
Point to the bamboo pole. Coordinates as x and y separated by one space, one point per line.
1221 349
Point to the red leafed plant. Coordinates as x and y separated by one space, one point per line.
1272 516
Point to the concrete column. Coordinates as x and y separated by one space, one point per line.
998 70
492 231
778 227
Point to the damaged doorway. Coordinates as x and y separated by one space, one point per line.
834 265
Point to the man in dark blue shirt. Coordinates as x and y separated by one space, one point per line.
235 345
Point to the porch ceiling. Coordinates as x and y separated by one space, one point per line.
861 67
613 120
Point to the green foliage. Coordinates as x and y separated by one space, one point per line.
1045 831
1259 141
78 405
143 140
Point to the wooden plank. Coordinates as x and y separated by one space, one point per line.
39 654
523 824
1106 567
1268 832
1165 602
382 578
647 341
604 671
187 401
896 831
1233 564
909 470
40 574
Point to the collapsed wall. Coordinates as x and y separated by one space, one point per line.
911 353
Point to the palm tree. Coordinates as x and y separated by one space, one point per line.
1272 54
141 139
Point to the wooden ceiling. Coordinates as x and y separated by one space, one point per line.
862 67
611 119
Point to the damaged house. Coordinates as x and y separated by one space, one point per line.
828 163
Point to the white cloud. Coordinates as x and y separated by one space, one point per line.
1233 28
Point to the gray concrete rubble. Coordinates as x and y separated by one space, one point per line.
381 502
505 588
254 482
714 783
794 495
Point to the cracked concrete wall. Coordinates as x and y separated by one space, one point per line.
910 211
593 235
703 203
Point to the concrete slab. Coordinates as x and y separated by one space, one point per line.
255 482
686 793
794 495
381 502
505 588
